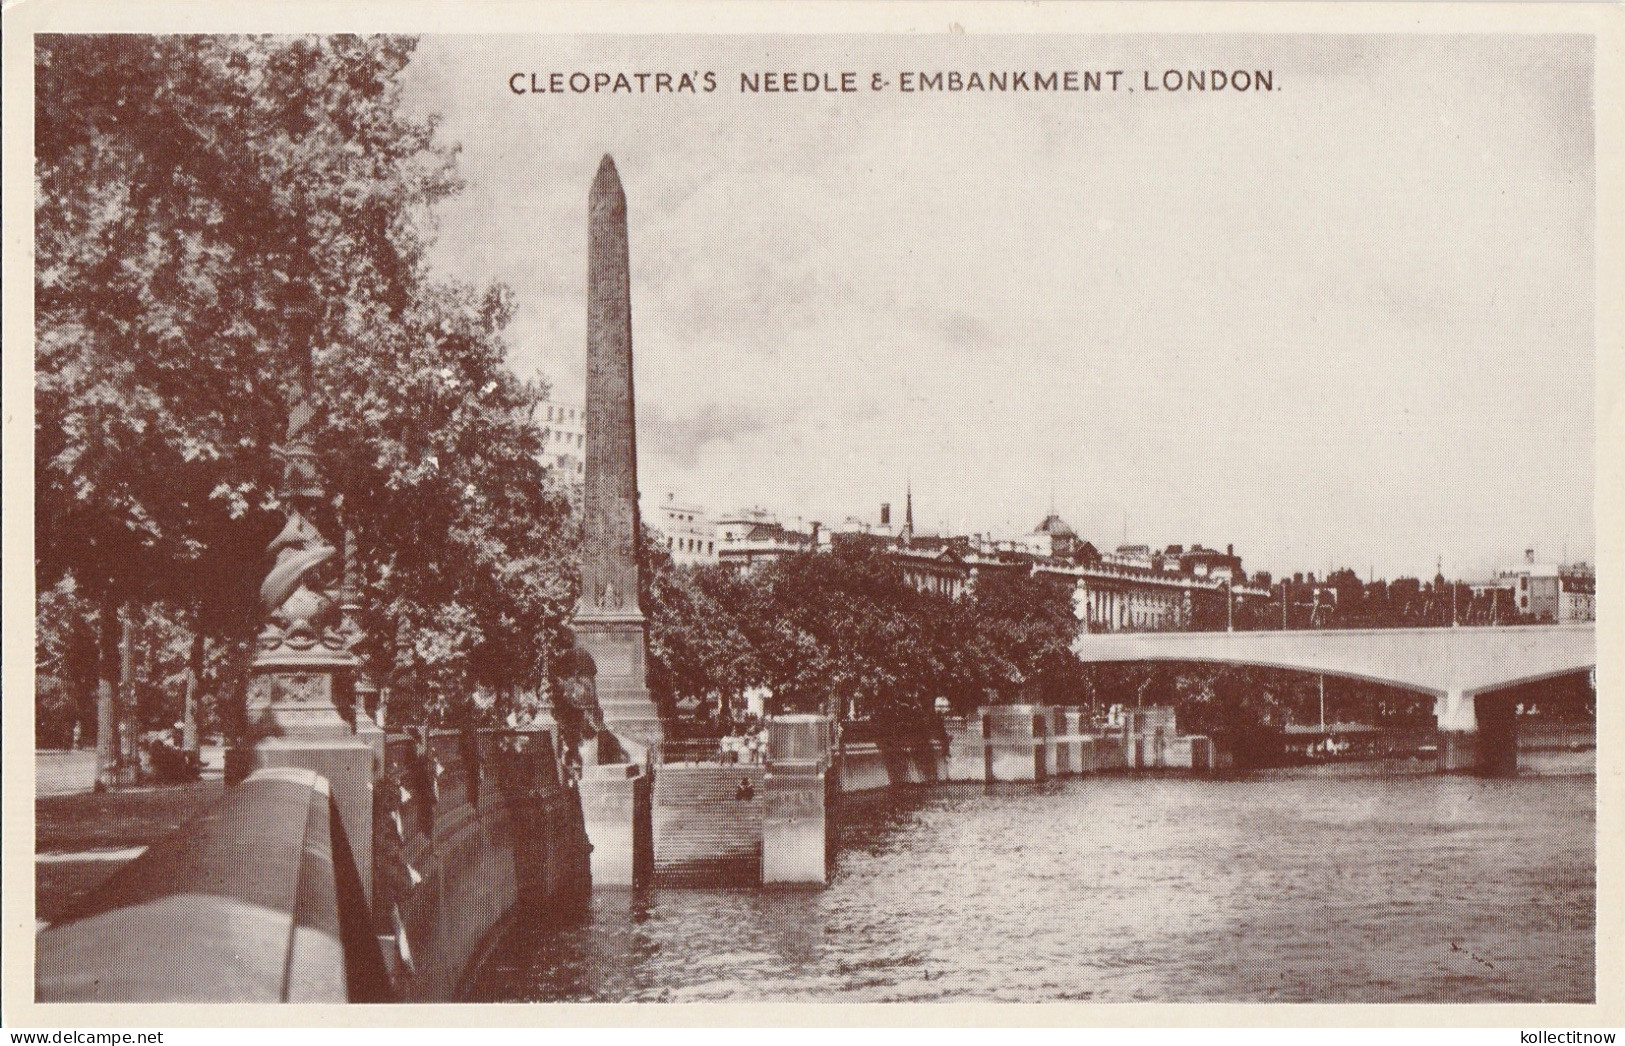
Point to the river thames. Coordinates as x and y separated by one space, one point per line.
1346 883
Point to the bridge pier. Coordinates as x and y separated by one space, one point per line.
1456 719
1477 732
1497 735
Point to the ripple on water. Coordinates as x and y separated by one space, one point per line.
1325 884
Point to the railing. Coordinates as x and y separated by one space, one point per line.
724 751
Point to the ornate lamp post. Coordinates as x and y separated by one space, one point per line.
305 668
305 671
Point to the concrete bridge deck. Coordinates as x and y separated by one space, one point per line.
1436 660
1456 665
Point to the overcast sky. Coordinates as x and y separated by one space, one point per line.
1348 322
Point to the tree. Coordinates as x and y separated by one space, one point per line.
210 209
827 632
225 225
435 452
698 649
1030 624
65 667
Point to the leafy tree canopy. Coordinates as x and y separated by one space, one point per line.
224 223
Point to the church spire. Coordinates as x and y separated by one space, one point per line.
907 534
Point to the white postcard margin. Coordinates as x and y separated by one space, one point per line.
1604 22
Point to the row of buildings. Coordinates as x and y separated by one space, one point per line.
1131 587
1554 592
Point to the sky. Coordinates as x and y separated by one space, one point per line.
1346 322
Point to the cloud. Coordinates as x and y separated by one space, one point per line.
964 331
681 435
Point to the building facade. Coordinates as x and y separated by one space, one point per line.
690 534
1548 592
1111 598
564 439
1577 593
1135 588
747 547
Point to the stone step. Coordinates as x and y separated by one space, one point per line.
701 826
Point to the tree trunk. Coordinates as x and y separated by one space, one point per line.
233 701
129 736
194 684
82 675
107 668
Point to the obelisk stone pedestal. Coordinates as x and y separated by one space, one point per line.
617 646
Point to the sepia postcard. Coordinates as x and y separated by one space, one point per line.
807 514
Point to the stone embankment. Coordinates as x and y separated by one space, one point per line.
267 897
766 823
708 820
260 898
1028 743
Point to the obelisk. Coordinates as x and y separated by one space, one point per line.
609 624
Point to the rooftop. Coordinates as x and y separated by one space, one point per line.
1056 526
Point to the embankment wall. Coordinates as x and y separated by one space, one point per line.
260 900
865 766
468 828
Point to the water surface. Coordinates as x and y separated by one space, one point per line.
1349 883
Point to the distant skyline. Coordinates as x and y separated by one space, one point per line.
1346 323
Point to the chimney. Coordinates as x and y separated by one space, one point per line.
1229 550
885 515
1529 555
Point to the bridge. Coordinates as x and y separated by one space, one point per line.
1464 668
